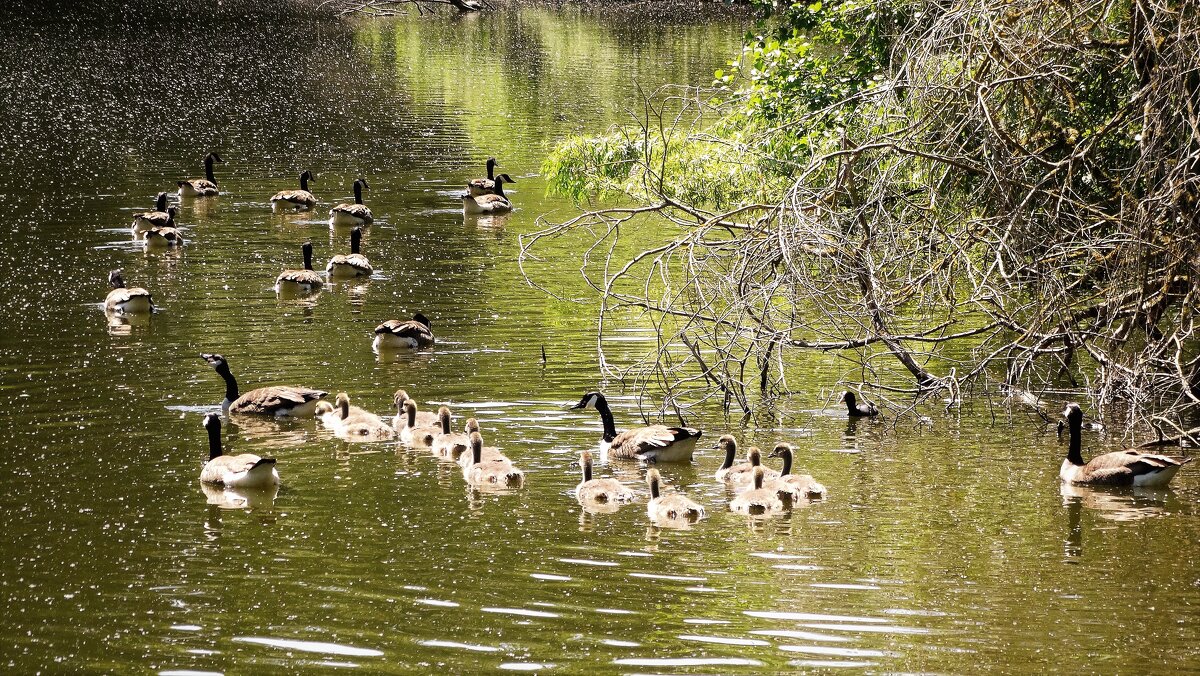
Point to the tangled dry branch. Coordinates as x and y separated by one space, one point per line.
1015 204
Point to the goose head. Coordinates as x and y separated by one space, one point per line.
213 157
781 450
472 425
212 422
115 280
754 455
589 400
214 360
399 398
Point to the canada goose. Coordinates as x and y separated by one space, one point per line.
482 471
202 187
741 473
352 214
758 500
486 453
413 433
300 199
134 300
1119 468
804 485
304 280
275 400
355 424
857 410
400 334
670 508
353 264
239 471
487 186
149 219
656 443
424 418
447 444
166 235
494 203
602 491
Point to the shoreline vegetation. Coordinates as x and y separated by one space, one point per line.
977 197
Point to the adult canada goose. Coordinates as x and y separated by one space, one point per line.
656 443
300 199
235 471
804 485
150 219
401 334
353 264
424 418
132 300
302 281
166 235
758 500
486 453
412 433
202 187
487 186
352 214
600 491
671 508
857 410
493 203
276 400
448 444
496 471
1119 468
353 423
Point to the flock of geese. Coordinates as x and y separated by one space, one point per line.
757 489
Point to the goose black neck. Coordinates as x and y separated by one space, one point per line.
355 241
445 421
344 406
787 463
304 181
160 202
758 480
308 257
587 469
208 172
654 489
214 442
499 187
1075 450
357 192
851 403
231 386
476 450
411 412
491 166
606 416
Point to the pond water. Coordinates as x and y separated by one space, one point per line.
947 547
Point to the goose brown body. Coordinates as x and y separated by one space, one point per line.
599 491
126 300
654 443
1119 468
353 264
413 433
404 334
245 470
300 199
487 186
495 471
346 214
758 500
303 280
491 203
152 219
202 187
448 444
671 509
276 400
794 486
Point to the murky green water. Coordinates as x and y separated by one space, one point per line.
941 549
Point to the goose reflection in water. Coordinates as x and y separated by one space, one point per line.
269 432
124 325
1117 504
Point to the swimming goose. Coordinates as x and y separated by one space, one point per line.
202 187
353 264
487 186
483 472
356 424
494 203
729 446
400 334
672 507
486 453
276 400
1119 468
352 214
413 433
424 418
656 443
300 199
133 300
149 219
235 471
803 485
302 281
166 235
599 491
758 500
448 444
857 410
